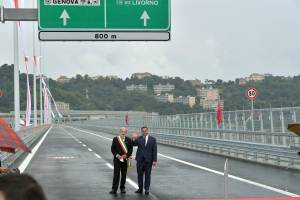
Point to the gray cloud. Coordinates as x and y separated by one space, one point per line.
210 39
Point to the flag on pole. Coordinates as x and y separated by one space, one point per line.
127 119
46 105
16 3
219 115
28 95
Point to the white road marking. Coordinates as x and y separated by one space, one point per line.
128 180
132 183
83 145
89 149
109 165
210 170
230 176
29 157
97 155
89 133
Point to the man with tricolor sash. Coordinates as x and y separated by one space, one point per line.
121 149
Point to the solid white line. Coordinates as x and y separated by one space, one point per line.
212 171
89 149
29 157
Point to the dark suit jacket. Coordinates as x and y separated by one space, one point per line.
148 152
117 149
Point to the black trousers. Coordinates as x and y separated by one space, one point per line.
144 168
119 167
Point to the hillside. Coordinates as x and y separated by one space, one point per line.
111 94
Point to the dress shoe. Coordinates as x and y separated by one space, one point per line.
113 192
139 191
123 191
146 192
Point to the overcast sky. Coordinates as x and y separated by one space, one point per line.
211 39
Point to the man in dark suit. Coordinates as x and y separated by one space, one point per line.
121 148
146 158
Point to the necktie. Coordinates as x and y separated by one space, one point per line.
144 139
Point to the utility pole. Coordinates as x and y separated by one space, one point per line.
16 77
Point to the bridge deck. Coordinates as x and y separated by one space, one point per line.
74 162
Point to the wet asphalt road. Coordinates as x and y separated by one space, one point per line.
74 163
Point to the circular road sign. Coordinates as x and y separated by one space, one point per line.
251 93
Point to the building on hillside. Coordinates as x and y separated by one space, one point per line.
158 89
165 98
255 77
141 75
189 100
63 79
140 87
209 98
196 83
208 93
210 104
63 107
242 81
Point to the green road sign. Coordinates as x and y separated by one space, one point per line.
104 15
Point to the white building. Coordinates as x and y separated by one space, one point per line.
158 89
208 93
209 98
255 77
63 79
210 105
140 87
141 75
189 100
166 98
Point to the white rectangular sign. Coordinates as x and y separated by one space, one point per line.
103 36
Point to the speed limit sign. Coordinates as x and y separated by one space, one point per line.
251 93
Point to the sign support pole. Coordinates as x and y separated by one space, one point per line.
252 114
34 75
226 180
16 77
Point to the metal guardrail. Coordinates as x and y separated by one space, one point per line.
279 156
29 137
260 135
276 155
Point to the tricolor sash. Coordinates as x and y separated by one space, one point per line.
123 145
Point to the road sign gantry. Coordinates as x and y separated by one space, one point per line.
119 16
